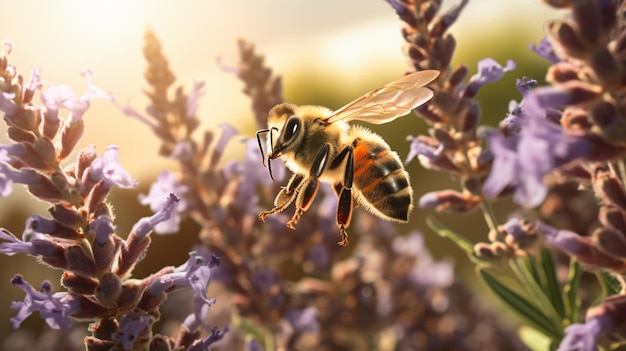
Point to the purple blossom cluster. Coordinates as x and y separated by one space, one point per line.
558 154
79 238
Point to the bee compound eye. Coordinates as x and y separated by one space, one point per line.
293 124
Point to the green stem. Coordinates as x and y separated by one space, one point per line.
490 217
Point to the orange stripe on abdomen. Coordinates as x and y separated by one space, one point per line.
380 177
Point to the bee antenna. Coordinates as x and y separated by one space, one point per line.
258 139
269 167
269 161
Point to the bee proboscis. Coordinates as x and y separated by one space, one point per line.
318 145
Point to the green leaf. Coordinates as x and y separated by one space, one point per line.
610 285
530 264
570 291
534 339
520 305
526 277
552 288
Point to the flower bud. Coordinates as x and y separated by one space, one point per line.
565 35
27 118
130 295
97 195
605 66
20 136
78 284
449 200
69 216
70 136
611 217
610 190
50 125
470 117
84 159
44 189
456 78
604 114
109 290
587 17
610 242
495 251
575 118
443 50
79 262
562 72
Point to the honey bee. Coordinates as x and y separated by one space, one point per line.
318 145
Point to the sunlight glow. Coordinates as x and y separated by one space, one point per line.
102 16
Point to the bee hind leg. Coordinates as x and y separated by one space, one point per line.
345 203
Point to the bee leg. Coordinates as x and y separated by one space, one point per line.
344 205
337 187
309 188
285 196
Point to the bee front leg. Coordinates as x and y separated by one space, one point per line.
309 188
285 196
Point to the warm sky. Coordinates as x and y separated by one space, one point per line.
338 39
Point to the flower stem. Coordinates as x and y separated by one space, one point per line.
490 217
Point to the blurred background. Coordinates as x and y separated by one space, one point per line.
328 53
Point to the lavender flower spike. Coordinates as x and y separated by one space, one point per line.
145 225
55 309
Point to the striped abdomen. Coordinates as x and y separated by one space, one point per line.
382 181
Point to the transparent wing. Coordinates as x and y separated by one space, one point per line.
388 102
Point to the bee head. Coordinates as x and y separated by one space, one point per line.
283 120
284 129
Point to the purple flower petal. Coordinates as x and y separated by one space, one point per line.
145 225
130 330
545 50
55 309
583 337
108 168
7 105
157 197
193 98
304 320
